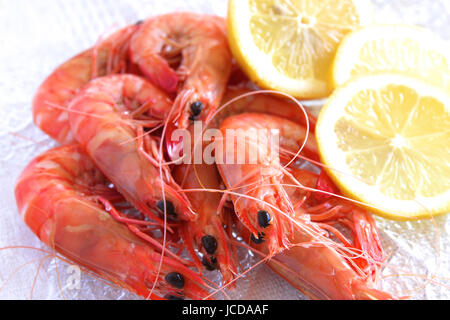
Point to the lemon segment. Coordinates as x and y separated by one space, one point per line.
400 49
386 139
289 45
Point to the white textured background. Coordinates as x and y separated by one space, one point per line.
36 36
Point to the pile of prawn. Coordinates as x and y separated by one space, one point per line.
114 107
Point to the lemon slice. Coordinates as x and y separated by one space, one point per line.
289 45
386 139
402 49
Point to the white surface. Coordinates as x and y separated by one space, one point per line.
39 35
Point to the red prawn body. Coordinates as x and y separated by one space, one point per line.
57 196
206 233
51 101
101 120
298 242
187 54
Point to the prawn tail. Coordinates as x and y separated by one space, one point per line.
160 73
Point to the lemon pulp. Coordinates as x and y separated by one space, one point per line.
289 45
391 136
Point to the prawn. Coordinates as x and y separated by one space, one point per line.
329 208
61 197
294 228
316 265
108 117
260 201
187 54
207 231
53 96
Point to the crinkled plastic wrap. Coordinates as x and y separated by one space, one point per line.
39 35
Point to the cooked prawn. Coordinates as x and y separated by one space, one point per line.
294 228
317 265
61 196
52 99
265 208
108 118
187 54
316 268
207 232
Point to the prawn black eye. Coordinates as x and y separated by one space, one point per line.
176 280
196 108
264 218
210 244
139 22
170 208
258 240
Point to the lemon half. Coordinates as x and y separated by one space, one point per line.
386 139
403 49
289 45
